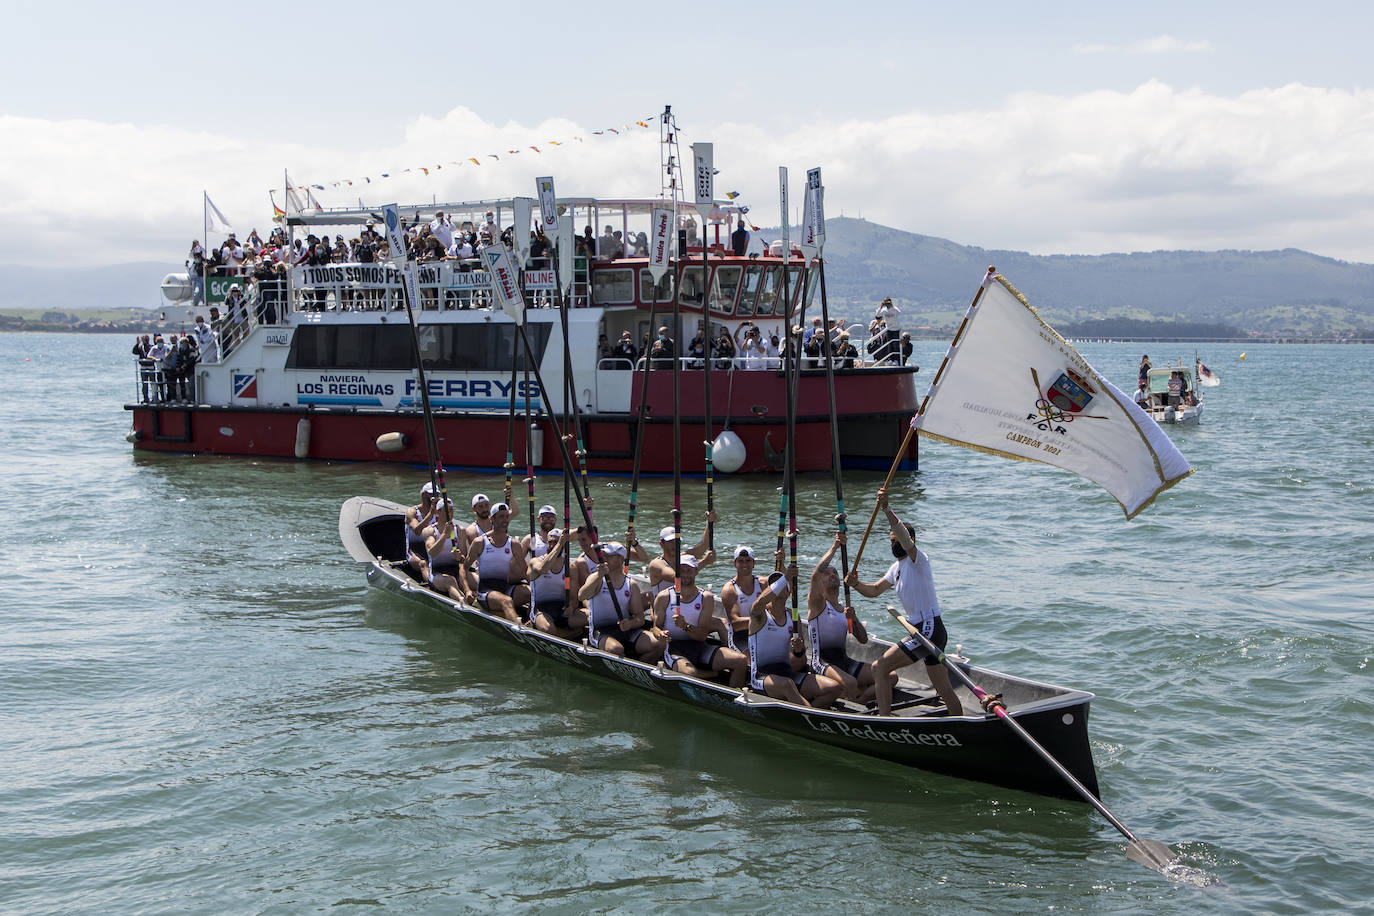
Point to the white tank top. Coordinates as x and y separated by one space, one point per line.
691 610
494 562
772 644
602 610
549 585
830 629
744 602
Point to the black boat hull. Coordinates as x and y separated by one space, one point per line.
976 747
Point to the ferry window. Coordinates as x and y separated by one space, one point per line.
648 293
613 286
445 347
723 289
752 273
691 285
794 284
768 292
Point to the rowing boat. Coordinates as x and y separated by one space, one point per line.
916 734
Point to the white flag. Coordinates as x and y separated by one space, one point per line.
396 245
1013 387
524 209
215 223
703 158
660 241
548 206
505 280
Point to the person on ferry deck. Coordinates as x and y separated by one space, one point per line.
640 247
777 655
624 632
829 626
448 573
739 239
662 349
625 347
916 589
498 562
723 348
689 618
231 255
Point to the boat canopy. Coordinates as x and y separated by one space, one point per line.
503 210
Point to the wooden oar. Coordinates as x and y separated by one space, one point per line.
1150 853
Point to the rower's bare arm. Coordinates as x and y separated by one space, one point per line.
518 567
590 587
661 607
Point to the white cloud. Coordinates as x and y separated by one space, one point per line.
1156 167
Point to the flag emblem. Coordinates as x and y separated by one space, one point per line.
1070 392
245 386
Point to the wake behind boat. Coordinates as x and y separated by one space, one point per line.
973 746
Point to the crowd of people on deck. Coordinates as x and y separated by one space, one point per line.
576 586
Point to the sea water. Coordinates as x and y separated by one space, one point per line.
204 710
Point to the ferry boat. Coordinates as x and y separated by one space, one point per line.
327 372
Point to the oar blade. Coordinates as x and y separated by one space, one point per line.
1151 854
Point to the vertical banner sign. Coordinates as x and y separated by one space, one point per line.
807 244
660 242
505 280
817 192
703 158
782 199
567 242
396 243
548 206
524 207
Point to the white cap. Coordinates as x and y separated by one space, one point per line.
742 551
614 547
667 534
428 489
547 510
479 498
499 507
688 560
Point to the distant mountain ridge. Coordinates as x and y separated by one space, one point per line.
931 276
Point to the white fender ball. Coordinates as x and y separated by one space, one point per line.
392 442
728 452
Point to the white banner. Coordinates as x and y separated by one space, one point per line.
807 243
396 242
567 246
817 213
548 206
782 200
1013 387
505 281
705 171
523 207
215 223
661 225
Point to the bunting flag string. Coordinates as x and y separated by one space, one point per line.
648 123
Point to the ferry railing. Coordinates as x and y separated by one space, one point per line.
154 384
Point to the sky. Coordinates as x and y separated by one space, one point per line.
1056 128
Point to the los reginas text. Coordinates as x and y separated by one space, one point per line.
361 385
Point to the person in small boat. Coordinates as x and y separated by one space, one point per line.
498 562
916 590
829 626
1142 394
623 632
447 572
661 567
739 594
1175 388
418 518
1143 373
551 610
777 655
481 523
690 623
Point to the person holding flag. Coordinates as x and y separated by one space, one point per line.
916 590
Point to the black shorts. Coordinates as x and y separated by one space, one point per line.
555 609
933 630
783 669
627 638
696 654
500 586
842 662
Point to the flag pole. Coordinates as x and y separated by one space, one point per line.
911 431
